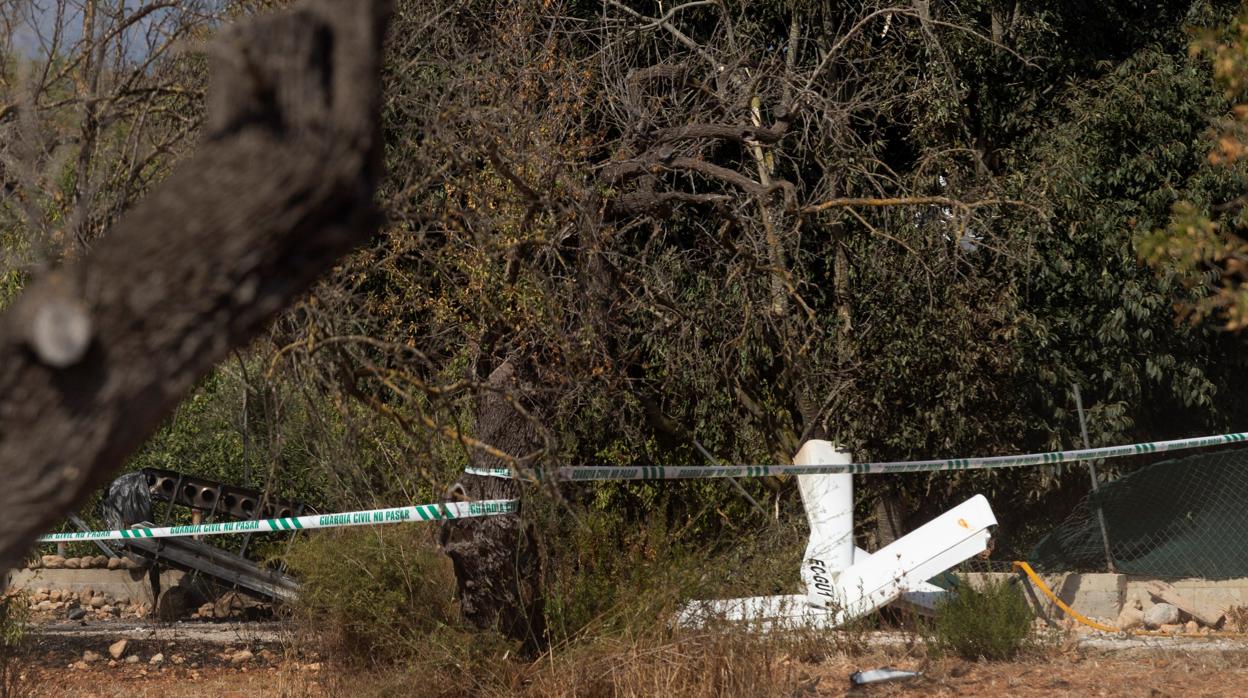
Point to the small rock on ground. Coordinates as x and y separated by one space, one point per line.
1161 614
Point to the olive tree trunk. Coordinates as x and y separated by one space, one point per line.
496 558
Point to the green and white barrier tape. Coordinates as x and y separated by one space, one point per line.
679 472
370 517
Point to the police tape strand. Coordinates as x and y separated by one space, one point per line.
678 472
371 517
459 510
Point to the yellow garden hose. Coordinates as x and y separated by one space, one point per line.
1080 618
1044 589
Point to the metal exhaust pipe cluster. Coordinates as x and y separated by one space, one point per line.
207 495
239 505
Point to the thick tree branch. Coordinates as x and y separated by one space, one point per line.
628 170
658 204
94 357
853 202
741 134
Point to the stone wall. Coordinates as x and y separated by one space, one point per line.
1103 596
97 591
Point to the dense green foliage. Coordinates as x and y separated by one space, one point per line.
914 347
1204 246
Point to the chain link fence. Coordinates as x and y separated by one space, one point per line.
1186 517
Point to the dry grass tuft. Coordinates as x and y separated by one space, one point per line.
714 663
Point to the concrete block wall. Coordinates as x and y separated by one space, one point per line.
1103 596
1093 595
1214 595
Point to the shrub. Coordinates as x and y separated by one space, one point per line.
14 612
607 575
992 622
382 594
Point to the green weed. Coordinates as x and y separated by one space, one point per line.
992 622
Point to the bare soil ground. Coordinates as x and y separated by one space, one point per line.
202 659
195 659
1081 673
171 683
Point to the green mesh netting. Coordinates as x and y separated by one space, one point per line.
1177 518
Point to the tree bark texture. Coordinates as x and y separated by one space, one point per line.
95 355
496 559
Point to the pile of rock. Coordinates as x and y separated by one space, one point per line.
133 658
233 604
1162 617
206 611
84 604
118 655
87 562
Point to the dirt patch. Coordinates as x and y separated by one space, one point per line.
1079 674
172 682
198 659
1056 676
164 659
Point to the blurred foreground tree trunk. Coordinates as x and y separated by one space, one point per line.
94 356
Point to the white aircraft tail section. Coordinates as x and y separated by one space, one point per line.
829 504
843 582
907 563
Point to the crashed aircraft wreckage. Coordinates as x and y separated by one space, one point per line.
843 582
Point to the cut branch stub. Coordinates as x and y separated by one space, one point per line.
56 323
